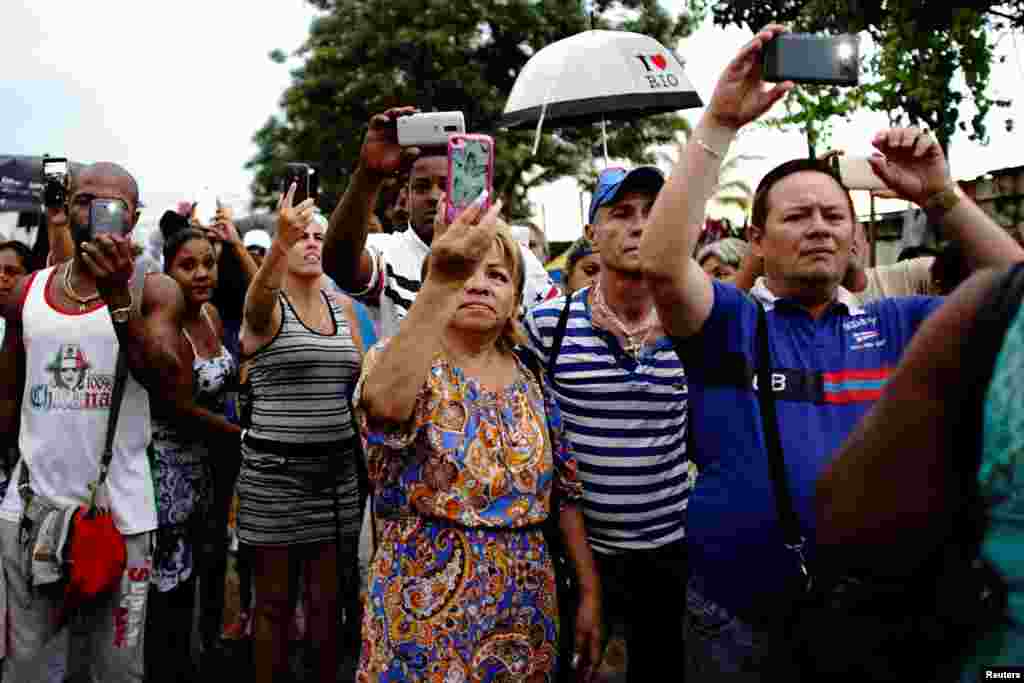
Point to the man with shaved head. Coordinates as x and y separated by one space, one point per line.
79 314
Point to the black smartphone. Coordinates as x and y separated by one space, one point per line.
806 58
55 181
306 179
108 216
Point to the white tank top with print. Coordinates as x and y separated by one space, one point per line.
69 377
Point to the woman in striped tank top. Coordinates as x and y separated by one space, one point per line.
297 488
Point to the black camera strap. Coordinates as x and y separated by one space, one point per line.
556 343
790 525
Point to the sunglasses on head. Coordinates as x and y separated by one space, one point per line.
611 175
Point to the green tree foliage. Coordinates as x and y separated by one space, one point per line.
364 56
912 76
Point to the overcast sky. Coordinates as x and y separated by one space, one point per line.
175 91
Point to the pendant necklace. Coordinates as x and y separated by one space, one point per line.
83 302
637 336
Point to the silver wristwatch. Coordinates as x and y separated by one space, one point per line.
123 315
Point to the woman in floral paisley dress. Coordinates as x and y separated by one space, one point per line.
181 460
464 451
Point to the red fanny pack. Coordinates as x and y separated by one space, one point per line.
96 558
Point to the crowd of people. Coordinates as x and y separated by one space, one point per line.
749 458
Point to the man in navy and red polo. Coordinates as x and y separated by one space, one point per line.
829 355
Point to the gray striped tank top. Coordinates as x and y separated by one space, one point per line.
301 380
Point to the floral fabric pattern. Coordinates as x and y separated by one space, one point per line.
462 587
182 477
474 457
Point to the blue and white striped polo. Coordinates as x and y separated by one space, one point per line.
626 423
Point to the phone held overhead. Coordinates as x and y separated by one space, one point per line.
55 182
812 59
306 180
470 172
430 129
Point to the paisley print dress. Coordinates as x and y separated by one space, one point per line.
182 476
462 587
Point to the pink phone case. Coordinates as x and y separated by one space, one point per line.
455 141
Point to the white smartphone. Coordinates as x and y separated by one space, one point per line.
857 174
429 129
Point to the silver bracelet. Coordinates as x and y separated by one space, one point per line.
707 148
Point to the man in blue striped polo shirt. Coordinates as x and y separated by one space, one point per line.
622 393
823 355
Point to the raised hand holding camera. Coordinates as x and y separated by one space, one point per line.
911 163
382 153
224 227
455 255
55 182
292 221
741 95
110 259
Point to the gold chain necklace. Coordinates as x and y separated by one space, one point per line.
632 346
83 302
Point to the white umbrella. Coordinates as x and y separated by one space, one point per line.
595 76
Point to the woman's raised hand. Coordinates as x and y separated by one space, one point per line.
457 252
292 221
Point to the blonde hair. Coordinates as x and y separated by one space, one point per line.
512 335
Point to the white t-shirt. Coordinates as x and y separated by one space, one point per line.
912 277
69 377
397 263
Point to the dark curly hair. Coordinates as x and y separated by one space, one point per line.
174 243
22 250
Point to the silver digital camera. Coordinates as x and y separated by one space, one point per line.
429 129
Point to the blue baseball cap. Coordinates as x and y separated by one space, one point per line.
612 183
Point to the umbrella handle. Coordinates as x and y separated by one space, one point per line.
543 112
540 124
604 140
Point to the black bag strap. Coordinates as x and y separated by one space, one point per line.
120 379
788 521
556 343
